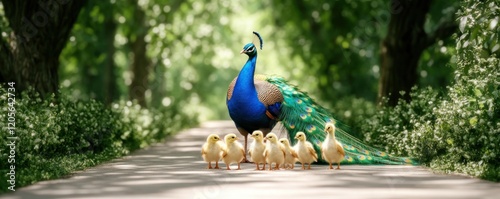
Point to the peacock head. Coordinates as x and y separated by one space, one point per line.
250 49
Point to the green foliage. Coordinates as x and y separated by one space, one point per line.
340 48
407 128
456 131
334 42
191 61
59 136
325 44
470 119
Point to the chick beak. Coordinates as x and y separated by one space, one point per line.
242 51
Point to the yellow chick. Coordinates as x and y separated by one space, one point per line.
331 149
257 149
290 154
233 151
305 151
274 152
211 150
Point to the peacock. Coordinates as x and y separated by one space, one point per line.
258 102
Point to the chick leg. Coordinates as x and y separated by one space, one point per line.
227 165
209 165
264 167
257 164
338 165
216 164
309 167
331 167
239 168
293 165
277 167
303 168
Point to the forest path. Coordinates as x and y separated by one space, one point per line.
174 169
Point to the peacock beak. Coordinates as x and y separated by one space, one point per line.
242 51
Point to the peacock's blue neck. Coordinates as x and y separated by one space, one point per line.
244 106
245 87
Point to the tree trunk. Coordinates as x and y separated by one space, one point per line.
40 29
140 63
401 49
110 86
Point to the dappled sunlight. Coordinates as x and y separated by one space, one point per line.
164 181
177 157
175 169
124 166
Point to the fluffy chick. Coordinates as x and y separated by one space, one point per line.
211 150
257 149
305 151
233 151
290 154
274 152
331 149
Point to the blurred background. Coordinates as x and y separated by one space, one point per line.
185 52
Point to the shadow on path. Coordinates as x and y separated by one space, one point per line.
174 169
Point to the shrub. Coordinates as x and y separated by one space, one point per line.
469 119
59 136
460 130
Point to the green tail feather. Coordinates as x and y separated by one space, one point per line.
300 113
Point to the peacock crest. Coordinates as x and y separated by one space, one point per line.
260 39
